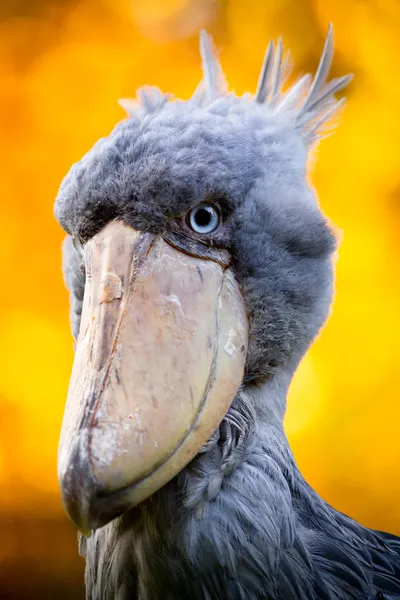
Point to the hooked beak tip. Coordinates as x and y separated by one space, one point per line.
77 488
88 505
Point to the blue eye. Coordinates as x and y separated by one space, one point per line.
204 218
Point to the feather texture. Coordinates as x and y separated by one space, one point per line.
308 104
266 535
264 82
213 75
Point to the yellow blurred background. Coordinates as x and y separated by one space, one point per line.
64 64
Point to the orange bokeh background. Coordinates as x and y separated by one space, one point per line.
64 64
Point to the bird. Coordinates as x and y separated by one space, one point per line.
199 267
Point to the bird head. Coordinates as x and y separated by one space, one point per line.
198 263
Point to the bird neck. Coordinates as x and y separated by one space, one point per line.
238 522
225 509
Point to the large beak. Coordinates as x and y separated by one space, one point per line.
159 358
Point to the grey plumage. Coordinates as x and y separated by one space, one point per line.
239 522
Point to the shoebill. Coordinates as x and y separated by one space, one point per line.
199 267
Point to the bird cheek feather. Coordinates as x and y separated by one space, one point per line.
159 358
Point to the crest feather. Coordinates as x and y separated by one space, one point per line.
311 102
149 99
213 76
264 80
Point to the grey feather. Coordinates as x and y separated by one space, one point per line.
294 95
322 71
148 99
307 100
320 96
313 129
213 76
264 82
277 72
326 95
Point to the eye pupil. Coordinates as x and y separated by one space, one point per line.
204 218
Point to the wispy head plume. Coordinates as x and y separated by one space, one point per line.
309 103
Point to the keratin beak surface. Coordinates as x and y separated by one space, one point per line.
159 358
